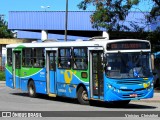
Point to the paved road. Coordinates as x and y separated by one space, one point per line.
15 100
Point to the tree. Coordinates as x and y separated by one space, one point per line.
4 31
154 36
109 13
155 9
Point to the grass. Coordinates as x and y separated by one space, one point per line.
2 76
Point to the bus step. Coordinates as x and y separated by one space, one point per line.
51 95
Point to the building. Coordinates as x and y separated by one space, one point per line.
51 25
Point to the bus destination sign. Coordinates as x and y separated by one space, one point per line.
127 45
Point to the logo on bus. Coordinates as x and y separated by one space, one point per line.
68 75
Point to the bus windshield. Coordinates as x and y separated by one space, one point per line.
128 65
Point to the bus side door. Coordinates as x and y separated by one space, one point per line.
96 73
17 68
51 71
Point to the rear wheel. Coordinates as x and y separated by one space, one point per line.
32 89
82 96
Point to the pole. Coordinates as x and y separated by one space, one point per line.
66 21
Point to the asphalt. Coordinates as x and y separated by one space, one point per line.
156 97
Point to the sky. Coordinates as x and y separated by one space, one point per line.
55 5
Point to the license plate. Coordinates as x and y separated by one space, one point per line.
133 95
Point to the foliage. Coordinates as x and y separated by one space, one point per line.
4 31
154 37
155 9
109 13
2 75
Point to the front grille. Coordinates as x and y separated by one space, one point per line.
140 89
130 82
131 90
126 90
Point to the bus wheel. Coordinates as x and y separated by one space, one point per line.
31 89
82 96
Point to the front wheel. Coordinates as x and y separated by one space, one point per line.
82 96
32 89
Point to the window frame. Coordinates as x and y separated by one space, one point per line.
81 58
52 66
69 59
24 57
36 57
9 56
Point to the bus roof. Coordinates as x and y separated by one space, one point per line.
93 42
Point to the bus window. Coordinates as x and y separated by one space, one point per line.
9 57
128 65
38 57
27 57
80 58
52 59
64 58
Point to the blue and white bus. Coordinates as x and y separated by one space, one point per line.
98 69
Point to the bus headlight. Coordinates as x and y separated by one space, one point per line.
150 86
109 86
113 88
118 91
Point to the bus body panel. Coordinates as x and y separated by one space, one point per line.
52 81
24 84
68 80
9 77
127 90
40 86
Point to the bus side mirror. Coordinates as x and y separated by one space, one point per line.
108 68
152 61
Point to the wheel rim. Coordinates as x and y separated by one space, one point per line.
84 95
31 90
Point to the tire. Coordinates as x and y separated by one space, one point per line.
32 89
82 96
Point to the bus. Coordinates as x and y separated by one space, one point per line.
97 69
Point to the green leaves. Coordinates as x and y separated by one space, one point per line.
155 11
154 38
133 2
4 31
109 13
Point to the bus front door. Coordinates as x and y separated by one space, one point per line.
16 68
96 74
51 71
